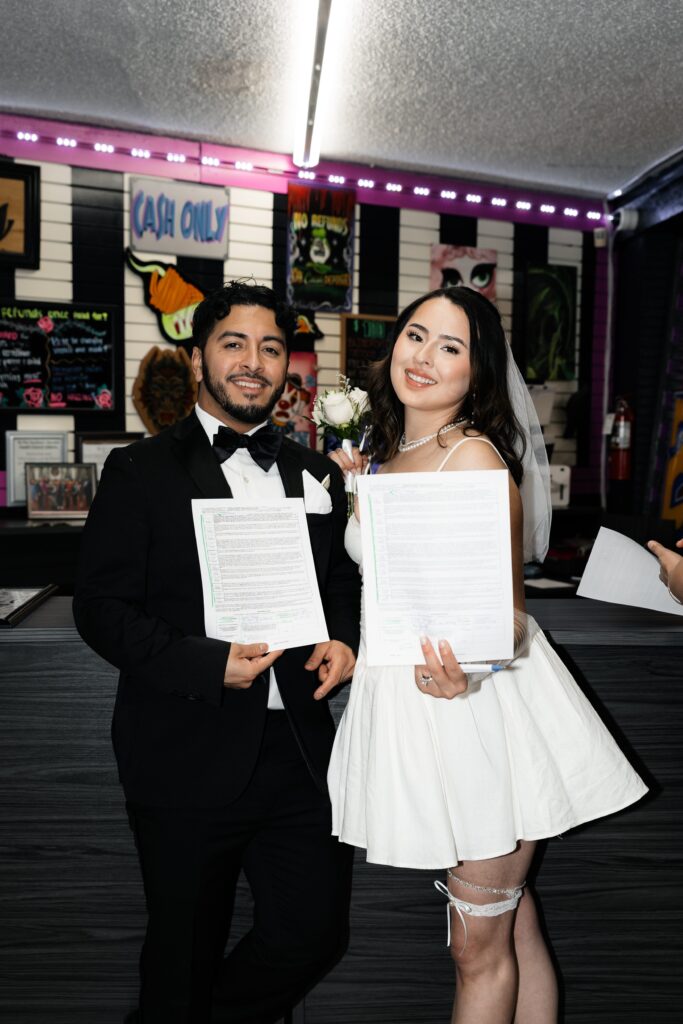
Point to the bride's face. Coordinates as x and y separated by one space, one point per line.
430 364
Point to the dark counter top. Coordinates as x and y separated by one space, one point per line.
568 621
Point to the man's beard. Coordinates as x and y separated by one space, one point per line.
249 412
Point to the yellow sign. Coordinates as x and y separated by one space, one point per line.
672 501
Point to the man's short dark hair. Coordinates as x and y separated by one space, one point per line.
217 305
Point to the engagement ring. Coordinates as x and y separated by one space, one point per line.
425 680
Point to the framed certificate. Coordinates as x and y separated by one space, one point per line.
24 446
96 447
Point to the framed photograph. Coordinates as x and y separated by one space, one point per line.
60 490
19 216
15 605
94 447
22 446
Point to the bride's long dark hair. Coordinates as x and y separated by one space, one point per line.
487 404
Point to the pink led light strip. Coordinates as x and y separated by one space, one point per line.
161 156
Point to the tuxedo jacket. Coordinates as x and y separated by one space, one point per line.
180 736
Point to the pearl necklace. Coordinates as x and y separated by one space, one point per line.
407 446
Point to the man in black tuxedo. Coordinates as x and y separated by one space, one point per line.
222 748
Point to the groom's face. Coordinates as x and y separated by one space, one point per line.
242 370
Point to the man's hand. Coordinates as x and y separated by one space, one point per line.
245 663
335 663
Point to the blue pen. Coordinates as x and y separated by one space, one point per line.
482 668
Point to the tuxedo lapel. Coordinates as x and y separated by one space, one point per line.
290 465
194 451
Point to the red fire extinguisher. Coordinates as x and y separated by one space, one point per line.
621 442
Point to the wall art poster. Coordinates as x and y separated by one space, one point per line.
550 333
320 247
463 265
169 295
294 410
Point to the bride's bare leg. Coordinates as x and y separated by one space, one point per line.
537 995
486 963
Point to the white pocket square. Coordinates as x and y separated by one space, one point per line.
316 498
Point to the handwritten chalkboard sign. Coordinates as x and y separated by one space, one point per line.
55 356
364 339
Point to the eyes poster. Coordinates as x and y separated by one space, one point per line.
453 265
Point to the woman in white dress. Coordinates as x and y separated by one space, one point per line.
435 769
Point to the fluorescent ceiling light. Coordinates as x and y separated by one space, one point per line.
307 146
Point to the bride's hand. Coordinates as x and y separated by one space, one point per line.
442 678
356 464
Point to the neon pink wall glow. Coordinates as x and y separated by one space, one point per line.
273 171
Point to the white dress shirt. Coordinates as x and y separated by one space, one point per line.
247 480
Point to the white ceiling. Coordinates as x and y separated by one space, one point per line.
572 94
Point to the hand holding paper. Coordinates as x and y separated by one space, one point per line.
258 578
622 572
440 678
245 663
670 568
437 563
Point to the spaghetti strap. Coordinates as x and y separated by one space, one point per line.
462 441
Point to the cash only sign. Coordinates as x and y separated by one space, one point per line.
178 218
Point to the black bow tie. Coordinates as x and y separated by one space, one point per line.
263 446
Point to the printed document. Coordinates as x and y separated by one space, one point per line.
258 577
437 562
623 572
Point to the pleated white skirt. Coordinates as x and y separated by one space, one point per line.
425 783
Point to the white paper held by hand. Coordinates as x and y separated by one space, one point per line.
437 562
622 572
258 578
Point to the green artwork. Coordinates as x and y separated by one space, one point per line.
550 323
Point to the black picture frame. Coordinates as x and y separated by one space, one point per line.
16 603
28 257
363 340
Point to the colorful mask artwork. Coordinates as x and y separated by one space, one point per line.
165 390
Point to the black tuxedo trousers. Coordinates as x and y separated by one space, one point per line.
214 782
